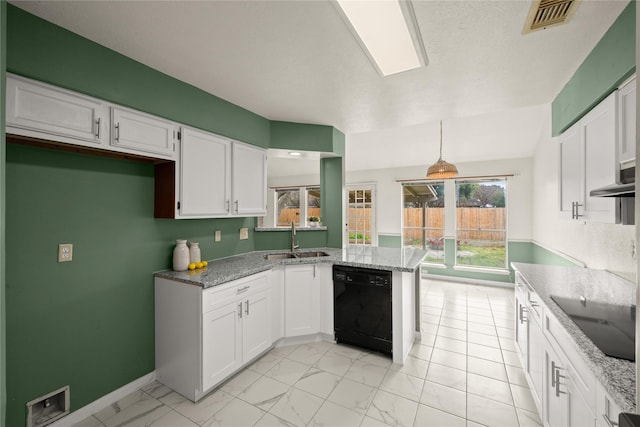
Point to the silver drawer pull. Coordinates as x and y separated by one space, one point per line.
240 310
243 289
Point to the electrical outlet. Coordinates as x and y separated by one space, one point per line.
218 236
65 252
244 233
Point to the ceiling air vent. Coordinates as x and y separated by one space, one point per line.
548 13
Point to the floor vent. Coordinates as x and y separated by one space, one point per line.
46 409
548 13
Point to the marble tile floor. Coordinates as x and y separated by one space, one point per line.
464 372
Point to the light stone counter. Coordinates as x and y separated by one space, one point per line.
238 266
616 375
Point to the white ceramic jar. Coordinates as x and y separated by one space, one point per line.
181 256
194 252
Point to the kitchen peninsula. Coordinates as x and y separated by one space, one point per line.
212 322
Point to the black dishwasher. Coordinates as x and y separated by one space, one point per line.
362 308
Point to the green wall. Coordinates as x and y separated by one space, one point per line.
49 53
332 185
92 319
301 136
389 241
610 62
3 375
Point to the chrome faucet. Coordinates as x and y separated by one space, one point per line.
293 235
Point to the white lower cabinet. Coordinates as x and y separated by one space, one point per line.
308 300
301 300
204 336
561 384
606 411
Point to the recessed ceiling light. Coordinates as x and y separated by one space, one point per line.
295 153
388 32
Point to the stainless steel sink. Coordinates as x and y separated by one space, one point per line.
279 256
311 254
289 255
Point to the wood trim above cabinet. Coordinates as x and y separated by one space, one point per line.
164 201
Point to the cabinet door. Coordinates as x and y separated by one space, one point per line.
136 131
256 325
607 411
204 174
570 171
536 359
325 272
554 393
221 343
580 414
249 171
522 332
302 294
55 113
627 122
599 144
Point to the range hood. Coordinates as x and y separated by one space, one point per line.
627 187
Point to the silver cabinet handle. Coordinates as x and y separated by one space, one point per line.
575 211
522 311
98 122
227 204
240 310
247 307
236 202
117 131
555 371
243 289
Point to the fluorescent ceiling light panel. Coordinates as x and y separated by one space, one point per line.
383 30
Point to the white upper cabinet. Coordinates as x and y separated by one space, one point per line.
249 180
205 176
142 132
42 111
627 122
219 177
587 161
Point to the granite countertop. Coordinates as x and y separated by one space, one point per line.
238 266
616 375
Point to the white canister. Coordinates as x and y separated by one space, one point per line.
194 252
180 256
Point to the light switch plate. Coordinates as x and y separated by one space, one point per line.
218 236
65 252
244 233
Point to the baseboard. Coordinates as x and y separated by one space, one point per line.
304 339
103 402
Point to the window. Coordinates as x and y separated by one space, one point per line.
361 215
424 219
288 207
481 223
313 202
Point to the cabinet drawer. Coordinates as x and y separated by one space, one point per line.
581 375
217 296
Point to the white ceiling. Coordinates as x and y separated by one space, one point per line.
297 61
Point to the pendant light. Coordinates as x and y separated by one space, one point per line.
441 169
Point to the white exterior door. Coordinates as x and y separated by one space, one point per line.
142 132
221 343
302 301
361 218
205 174
249 180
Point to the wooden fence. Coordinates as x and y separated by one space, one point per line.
476 220
292 214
